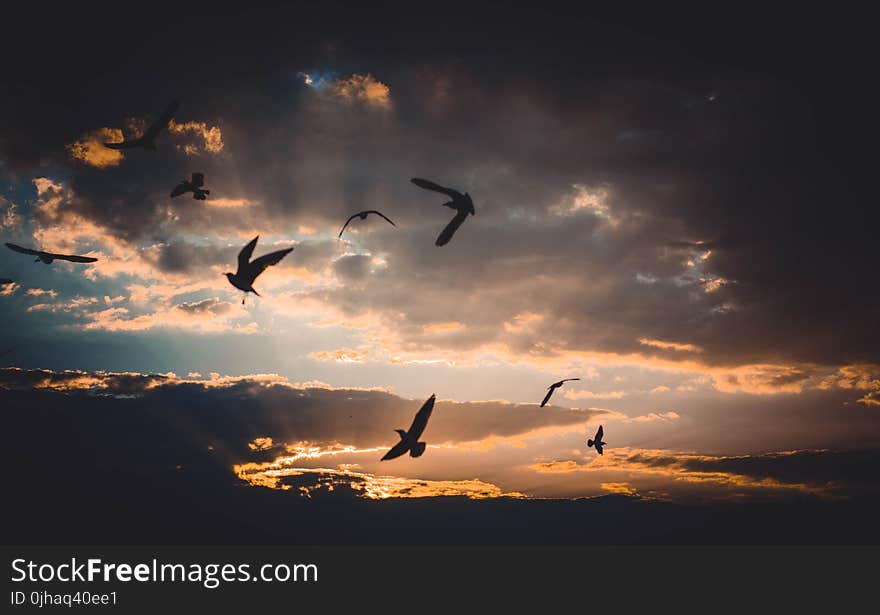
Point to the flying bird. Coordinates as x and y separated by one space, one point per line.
148 139
409 440
48 257
552 388
363 216
193 185
461 203
248 270
597 442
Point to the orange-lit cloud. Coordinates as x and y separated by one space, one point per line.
90 148
669 345
371 486
690 469
212 138
207 316
229 203
8 214
619 488
442 327
343 355
363 88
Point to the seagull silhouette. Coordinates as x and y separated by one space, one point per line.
552 388
48 257
248 270
461 203
193 185
409 440
148 139
363 216
597 442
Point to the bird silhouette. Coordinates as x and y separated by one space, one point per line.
409 440
461 203
552 388
363 216
248 270
597 442
148 139
48 257
193 185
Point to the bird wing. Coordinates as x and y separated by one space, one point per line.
379 213
181 188
421 421
16 248
244 257
598 446
73 258
162 122
396 451
124 144
345 226
198 180
599 434
547 396
568 379
429 185
267 260
450 229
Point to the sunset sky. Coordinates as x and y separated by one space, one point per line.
672 221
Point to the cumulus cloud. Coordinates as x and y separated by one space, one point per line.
90 148
363 88
211 137
9 216
817 472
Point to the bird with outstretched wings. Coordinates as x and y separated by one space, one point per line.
148 139
363 216
461 203
193 185
552 388
48 257
597 440
409 440
248 270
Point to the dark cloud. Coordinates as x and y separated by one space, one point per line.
352 267
131 469
745 154
251 407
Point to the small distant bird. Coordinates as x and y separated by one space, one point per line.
48 257
597 442
409 440
148 139
461 203
243 278
193 185
552 388
363 216
5 281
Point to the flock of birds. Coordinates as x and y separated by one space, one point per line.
249 269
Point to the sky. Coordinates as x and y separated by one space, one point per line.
672 211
